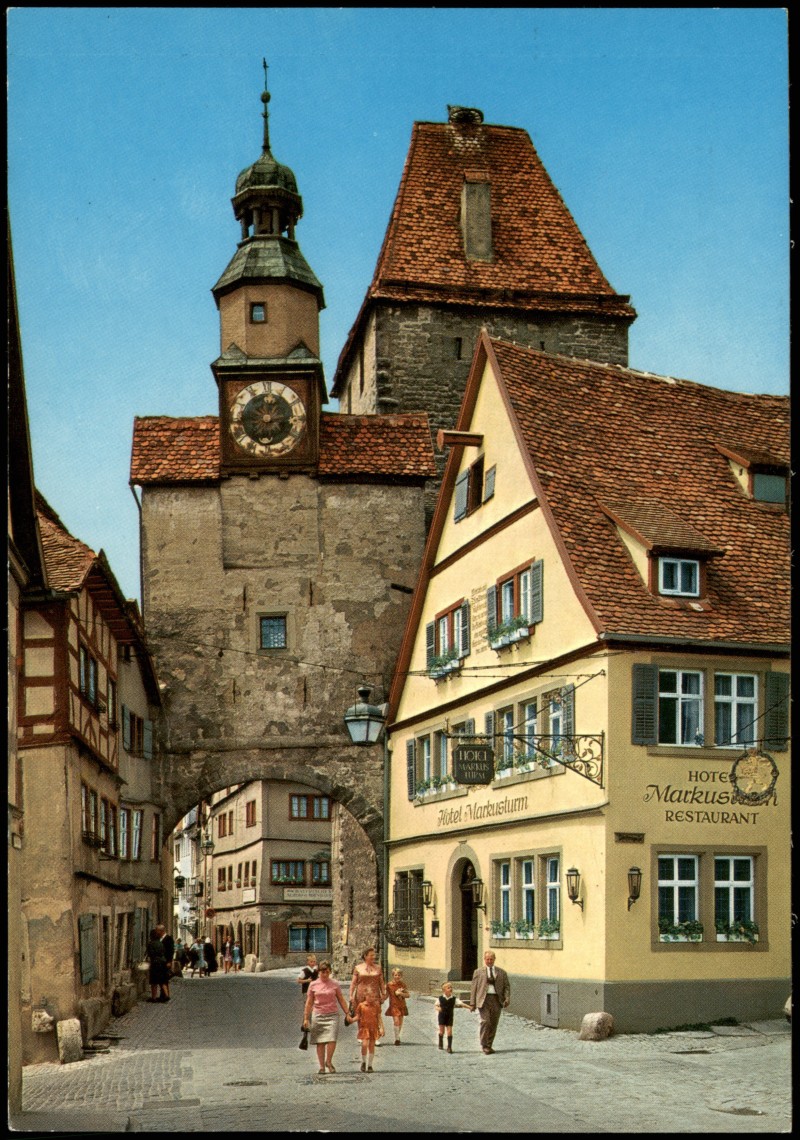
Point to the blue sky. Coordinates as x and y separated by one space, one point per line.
665 130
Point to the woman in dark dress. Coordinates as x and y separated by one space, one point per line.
210 955
159 973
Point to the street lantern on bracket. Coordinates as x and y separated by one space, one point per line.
365 722
207 843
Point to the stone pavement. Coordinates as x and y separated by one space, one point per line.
222 1056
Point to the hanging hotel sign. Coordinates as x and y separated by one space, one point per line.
473 763
753 777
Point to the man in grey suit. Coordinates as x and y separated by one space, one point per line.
490 993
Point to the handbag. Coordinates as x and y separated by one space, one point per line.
303 1040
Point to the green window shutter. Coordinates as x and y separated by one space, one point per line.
463 617
87 934
488 728
430 642
462 487
776 711
147 737
469 727
536 600
644 727
488 483
491 610
411 767
126 728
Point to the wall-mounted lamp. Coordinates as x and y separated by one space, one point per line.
427 894
634 885
476 887
207 843
574 886
179 880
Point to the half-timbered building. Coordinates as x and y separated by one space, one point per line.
91 875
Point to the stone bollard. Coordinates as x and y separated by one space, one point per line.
260 968
70 1042
250 963
596 1027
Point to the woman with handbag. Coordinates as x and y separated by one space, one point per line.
321 1015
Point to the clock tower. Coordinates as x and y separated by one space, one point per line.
269 374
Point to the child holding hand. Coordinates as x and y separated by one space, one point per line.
368 1014
445 1006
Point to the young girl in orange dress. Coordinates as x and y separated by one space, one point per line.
367 1015
397 1008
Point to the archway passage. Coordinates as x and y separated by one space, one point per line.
469 922
282 868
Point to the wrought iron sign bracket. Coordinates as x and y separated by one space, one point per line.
582 753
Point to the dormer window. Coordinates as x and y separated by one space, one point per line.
679 577
258 313
769 486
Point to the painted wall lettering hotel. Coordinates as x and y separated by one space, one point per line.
589 757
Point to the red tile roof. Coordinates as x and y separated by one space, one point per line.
541 260
537 247
186 450
601 434
68 561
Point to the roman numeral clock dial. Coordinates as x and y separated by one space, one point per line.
267 419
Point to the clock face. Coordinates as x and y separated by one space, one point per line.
267 418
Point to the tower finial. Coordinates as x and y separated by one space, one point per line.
265 100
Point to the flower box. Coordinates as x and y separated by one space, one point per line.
680 932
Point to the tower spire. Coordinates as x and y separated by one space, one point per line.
265 97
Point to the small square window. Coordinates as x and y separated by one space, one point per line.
273 632
679 577
258 313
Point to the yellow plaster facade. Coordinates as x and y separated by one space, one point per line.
657 808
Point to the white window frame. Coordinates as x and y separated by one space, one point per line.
425 753
553 887
136 833
677 569
682 701
505 718
730 884
528 890
504 877
529 714
677 884
748 705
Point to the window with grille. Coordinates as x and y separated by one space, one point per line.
406 924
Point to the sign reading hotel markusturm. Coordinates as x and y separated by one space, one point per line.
473 763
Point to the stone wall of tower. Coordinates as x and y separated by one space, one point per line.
418 357
356 894
331 558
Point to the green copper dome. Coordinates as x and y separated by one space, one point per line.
266 174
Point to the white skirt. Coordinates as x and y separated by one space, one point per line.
324 1027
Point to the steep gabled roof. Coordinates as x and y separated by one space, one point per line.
606 445
72 566
540 260
600 435
187 450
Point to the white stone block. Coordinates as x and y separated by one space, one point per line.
596 1027
70 1042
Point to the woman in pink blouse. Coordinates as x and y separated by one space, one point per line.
322 1015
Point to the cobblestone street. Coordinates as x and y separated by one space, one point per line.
222 1056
